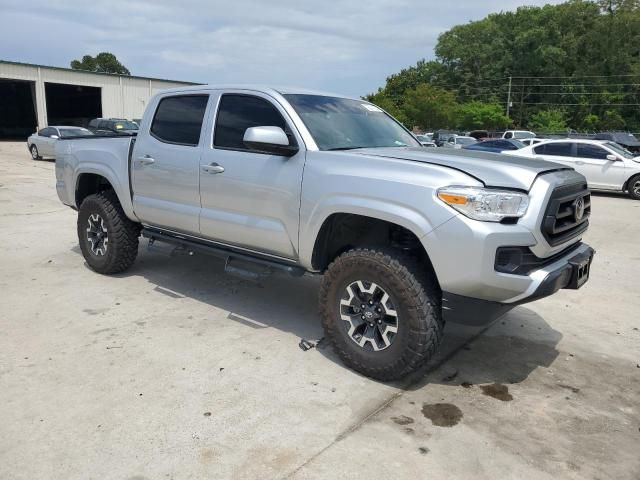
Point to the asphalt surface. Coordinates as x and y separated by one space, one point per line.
175 370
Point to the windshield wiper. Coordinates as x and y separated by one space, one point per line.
342 148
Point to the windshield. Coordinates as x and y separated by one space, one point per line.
345 124
517 143
465 140
74 132
125 125
619 150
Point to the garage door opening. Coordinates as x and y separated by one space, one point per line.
17 109
72 104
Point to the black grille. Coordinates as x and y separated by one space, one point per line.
560 223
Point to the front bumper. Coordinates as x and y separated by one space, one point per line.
568 272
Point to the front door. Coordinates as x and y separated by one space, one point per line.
249 199
600 171
166 164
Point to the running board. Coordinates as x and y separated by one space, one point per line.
236 263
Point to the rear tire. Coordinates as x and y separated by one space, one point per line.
35 155
633 187
399 296
108 239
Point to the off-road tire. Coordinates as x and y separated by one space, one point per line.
633 187
35 155
122 233
416 298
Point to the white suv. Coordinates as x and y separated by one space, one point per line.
606 164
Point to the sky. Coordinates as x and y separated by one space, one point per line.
347 47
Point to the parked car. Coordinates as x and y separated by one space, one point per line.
626 140
518 134
42 143
479 135
425 140
458 141
111 126
402 235
441 136
498 145
605 164
531 141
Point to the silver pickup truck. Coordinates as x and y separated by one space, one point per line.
304 182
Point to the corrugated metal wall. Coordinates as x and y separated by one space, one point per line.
122 96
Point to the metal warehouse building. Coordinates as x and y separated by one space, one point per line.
34 96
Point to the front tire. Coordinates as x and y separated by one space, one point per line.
381 312
108 239
633 187
35 155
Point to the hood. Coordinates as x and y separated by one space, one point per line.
492 169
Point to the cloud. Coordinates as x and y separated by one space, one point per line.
343 46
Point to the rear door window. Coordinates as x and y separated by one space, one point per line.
560 149
178 119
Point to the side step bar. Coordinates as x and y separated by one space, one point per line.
236 263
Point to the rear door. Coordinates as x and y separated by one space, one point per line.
166 163
600 172
251 200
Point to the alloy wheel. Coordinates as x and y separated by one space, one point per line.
369 315
97 235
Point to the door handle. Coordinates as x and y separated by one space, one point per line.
213 168
146 160
579 163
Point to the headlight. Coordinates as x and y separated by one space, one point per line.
485 204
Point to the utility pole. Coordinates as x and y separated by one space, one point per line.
509 97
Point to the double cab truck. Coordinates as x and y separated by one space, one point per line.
302 182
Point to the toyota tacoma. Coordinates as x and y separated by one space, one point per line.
308 183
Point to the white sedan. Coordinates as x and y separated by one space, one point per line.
43 143
605 164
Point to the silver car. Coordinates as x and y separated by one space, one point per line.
42 143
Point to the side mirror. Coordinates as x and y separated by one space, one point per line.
55 137
611 157
271 140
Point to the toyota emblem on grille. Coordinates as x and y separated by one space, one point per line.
578 209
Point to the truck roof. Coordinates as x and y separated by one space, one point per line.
256 88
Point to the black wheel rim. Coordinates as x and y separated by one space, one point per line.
369 315
97 235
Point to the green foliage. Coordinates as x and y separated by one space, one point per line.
590 123
429 107
552 121
104 62
612 120
580 56
479 115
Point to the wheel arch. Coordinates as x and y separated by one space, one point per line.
96 178
342 231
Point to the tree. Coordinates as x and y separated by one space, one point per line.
104 62
553 120
429 107
612 120
591 122
580 56
479 115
